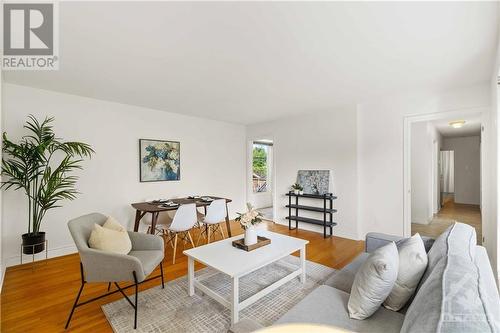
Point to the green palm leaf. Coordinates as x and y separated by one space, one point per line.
29 165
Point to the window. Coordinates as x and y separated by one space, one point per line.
260 167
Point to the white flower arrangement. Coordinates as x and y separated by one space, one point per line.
250 218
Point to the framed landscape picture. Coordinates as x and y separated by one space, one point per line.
159 160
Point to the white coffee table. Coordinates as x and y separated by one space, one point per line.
225 258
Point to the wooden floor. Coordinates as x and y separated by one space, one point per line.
449 213
40 301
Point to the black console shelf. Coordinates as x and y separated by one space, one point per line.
327 210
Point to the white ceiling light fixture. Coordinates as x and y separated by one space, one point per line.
457 123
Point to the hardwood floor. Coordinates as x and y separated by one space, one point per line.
449 213
40 301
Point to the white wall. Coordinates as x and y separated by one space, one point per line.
325 140
421 172
213 160
380 151
467 168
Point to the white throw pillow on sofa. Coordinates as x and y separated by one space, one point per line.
110 240
374 282
412 265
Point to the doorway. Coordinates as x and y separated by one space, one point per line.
445 174
446 177
262 177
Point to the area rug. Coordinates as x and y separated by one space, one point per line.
172 310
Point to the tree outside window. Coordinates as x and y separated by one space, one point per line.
260 154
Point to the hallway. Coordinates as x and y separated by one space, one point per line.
267 213
450 212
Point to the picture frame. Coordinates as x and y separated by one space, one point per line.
316 182
159 160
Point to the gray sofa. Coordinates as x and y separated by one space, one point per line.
444 301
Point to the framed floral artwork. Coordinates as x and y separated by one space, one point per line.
159 160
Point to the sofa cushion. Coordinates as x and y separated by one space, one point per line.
374 240
374 282
452 299
328 306
459 239
344 278
412 265
487 287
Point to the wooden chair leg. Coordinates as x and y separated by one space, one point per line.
199 236
175 248
221 227
190 238
170 238
208 233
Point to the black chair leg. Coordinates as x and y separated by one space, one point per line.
136 300
77 297
74 306
162 281
119 289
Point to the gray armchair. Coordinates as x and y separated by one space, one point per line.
101 266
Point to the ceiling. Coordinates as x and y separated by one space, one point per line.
471 127
249 62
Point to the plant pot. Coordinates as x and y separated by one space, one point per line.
296 191
301 192
250 236
31 239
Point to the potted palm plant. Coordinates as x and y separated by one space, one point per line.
41 165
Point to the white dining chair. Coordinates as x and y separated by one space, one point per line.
184 219
164 220
211 223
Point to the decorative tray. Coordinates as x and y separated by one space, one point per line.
261 241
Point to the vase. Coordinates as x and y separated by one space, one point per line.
250 236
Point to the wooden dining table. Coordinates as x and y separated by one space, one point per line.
155 208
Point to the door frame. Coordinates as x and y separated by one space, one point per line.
436 180
250 142
408 121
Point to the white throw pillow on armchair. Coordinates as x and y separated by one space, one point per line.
412 265
374 282
111 237
113 224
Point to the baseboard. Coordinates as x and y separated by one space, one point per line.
52 253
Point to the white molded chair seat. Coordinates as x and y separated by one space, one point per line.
183 221
216 213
